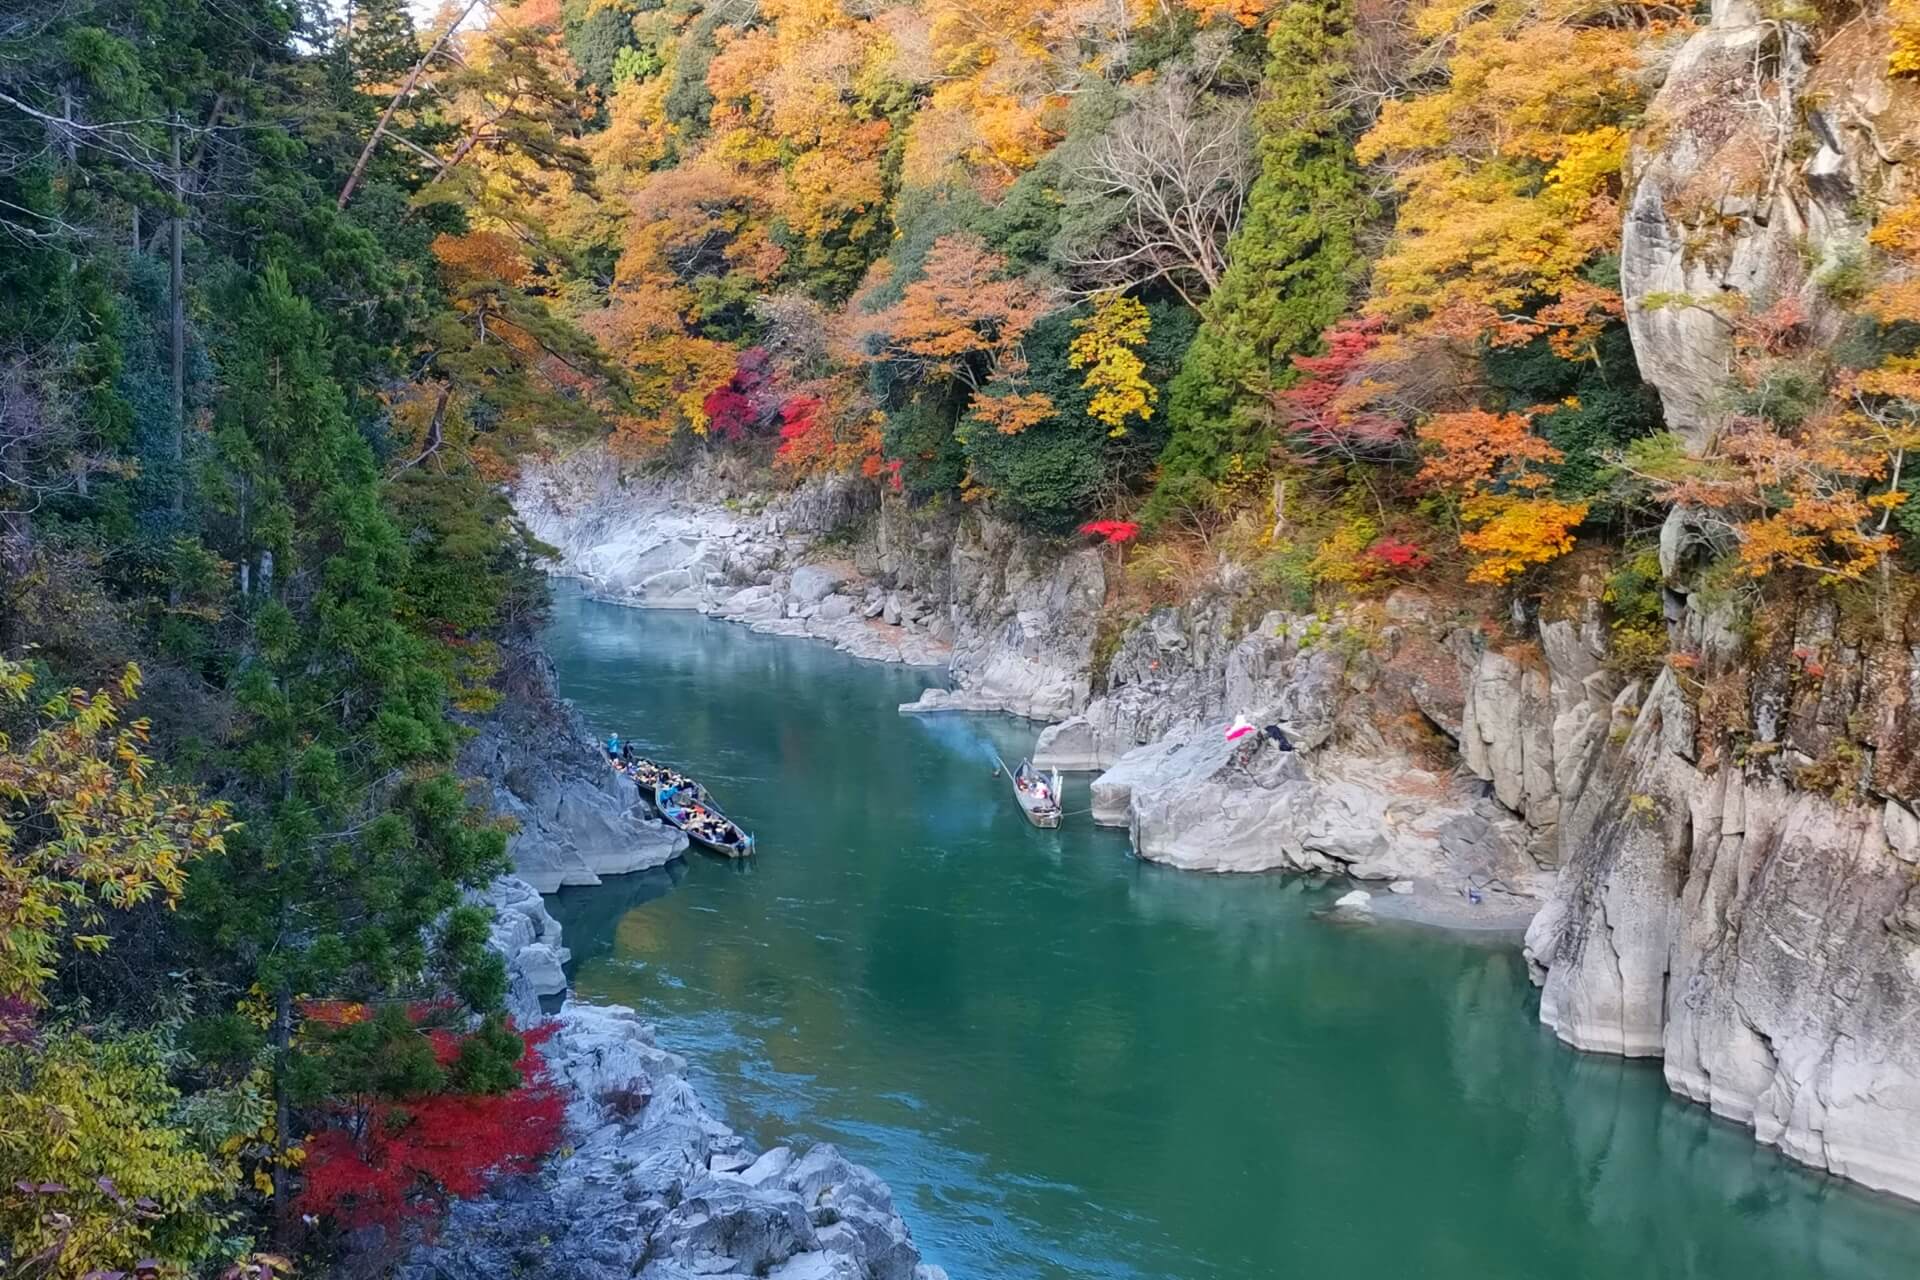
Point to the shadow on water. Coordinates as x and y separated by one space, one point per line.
1071 1064
590 914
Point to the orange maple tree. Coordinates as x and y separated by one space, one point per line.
964 320
1494 462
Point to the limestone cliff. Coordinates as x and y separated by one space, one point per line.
1012 617
1740 858
1764 159
533 762
1737 839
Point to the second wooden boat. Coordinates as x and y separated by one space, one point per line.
704 826
1037 794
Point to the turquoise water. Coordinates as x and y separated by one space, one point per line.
1072 1064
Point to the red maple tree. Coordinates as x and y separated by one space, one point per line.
740 406
1394 554
391 1161
1112 531
1333 410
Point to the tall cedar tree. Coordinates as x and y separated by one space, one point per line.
1292 265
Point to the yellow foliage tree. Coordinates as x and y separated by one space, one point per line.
98 1176
95 1173
83 829
1492 462
1509 171
1108 347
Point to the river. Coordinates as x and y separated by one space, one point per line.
1071 1064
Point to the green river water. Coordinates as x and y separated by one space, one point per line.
1069 1063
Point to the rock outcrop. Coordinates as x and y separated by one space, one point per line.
1741 889
532 761
1737 836
1369 788
653 1185
528 939
1751 183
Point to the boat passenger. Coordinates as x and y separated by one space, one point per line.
613 746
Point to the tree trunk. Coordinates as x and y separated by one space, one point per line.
177 324
282 1106
386 117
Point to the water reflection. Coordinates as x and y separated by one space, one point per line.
1072 1064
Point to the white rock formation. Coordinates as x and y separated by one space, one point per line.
1347 798
528 940
1010 617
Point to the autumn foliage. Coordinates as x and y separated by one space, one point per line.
1112 532
389 1161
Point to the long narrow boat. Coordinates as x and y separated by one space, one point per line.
654 778
686 806
1037 795
707 827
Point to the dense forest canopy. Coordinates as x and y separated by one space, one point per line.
288 290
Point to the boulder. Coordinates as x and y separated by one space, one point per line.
813 583
652 1184
541 965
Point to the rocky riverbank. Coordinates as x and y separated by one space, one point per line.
533 762
1012 618
651 1182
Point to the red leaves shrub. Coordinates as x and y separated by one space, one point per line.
1393 554
1334 408
387 1162
740 407
1112 531
799 415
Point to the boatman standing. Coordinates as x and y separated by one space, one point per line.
613 746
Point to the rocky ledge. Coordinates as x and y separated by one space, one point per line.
651 1183
1373 704
532 762
710 543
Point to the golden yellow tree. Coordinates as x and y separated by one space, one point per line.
1108 347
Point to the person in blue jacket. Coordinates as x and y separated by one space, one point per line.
613 746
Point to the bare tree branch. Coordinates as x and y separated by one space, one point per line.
1176 168
386 117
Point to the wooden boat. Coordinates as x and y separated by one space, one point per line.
1038 795
702 824
683 803
654 778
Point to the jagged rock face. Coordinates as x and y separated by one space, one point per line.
1753 935
527 938
576 819
1738 896
653 1185
1534 717
1024 615
1746 186
1350 797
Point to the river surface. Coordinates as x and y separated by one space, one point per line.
1071 1064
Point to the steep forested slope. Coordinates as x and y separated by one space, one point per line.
1570 312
